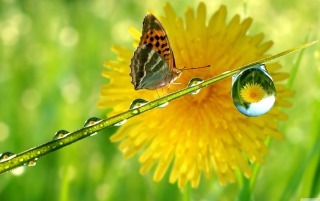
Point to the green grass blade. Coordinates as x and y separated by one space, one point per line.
187 192
34 153
296 64
256 169
293 184
245 193
315 189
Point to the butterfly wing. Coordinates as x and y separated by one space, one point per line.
155 35
153 65
148 69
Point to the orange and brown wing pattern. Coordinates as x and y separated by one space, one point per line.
152 65
154 34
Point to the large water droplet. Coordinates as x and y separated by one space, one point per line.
120 123
60 134
163 105
6 156
253 91
193 82
138 103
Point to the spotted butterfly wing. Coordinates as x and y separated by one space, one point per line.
153 65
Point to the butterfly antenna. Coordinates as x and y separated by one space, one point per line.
185 68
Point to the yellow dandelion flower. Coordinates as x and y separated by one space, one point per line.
252 93
197 134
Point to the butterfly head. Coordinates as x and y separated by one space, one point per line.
177 73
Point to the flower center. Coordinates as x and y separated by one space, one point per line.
252 93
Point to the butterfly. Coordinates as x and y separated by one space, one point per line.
153 65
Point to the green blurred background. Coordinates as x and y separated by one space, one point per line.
51 58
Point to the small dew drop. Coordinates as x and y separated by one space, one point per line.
31 162
195 92
6 156
138 103
93 134
193 82
91 121
135 112
163 105
60 134
18 171
253 91
120 123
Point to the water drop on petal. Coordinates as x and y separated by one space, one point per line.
60 134
6 156
91 121
163 105
193 82
120 123
253 91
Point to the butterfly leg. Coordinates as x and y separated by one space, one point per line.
177 84
168 88
158 93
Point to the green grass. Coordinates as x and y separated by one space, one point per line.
46 85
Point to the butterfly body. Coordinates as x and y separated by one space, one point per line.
153 65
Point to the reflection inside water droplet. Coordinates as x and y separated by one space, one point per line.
253 91
6 156
91 121
60 134
193 82
32 162
120 123
138 103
